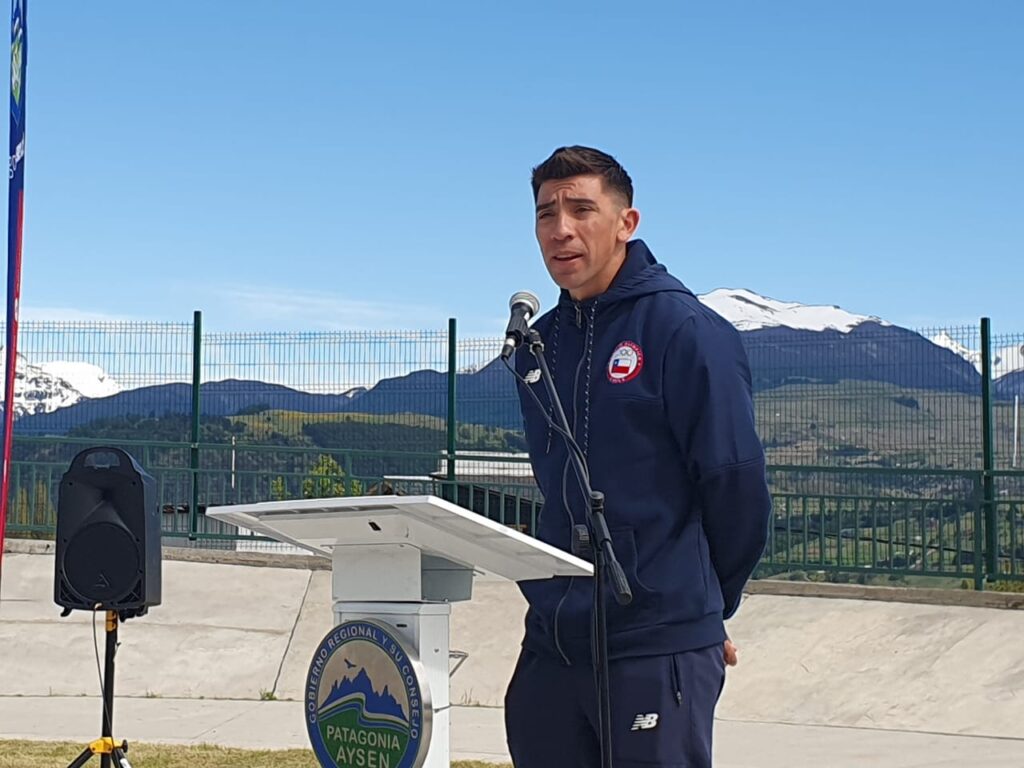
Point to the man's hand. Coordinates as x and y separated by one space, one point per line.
729 651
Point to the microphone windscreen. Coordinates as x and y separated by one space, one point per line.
527 298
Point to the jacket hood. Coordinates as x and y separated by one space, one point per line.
640 274
655 390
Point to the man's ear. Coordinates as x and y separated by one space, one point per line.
629 220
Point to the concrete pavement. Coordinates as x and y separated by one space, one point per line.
478 734
839 681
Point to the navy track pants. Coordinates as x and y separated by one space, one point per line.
662 711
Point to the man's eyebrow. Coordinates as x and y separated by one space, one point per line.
576 200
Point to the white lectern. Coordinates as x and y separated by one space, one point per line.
397 563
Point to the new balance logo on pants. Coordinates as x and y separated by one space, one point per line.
551 712
645 722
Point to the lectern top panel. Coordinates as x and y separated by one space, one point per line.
431 524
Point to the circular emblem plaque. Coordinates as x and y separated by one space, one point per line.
367 702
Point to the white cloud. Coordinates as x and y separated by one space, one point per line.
267 308
29 313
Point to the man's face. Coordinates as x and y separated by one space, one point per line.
582 230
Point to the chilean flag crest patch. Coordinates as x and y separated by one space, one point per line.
626 362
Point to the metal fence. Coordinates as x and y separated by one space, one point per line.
879 398
876 396
892 452
1007 368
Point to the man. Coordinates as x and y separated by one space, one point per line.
656 388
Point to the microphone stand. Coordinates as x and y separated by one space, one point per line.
603 556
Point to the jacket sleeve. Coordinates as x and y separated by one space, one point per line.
711 410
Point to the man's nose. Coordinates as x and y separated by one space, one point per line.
562 229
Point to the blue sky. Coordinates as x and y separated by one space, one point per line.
315 165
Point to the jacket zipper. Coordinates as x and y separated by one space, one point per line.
572 580
678 680
567 467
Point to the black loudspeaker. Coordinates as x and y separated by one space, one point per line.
108 535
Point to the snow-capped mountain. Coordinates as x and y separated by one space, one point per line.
36 391
1004 360
749 311
787 343
946 341
89 379
48 387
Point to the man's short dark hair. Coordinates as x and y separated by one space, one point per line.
566 162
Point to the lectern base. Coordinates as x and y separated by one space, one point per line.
376 693
425 629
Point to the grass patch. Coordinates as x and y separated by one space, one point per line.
1006 586
259 426
47 754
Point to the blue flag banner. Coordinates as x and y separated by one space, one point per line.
15 219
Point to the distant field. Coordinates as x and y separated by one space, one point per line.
870 423
842 424
849 423
397 432
261 425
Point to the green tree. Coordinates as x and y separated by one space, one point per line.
277 489
326 479
42 506
23 507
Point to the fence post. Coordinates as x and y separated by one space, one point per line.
988 452
451 423
978 502
197 371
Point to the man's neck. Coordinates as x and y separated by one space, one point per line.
589 292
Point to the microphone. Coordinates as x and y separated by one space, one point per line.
523 305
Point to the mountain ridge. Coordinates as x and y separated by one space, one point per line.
382 703
786 342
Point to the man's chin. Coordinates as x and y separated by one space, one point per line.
566 282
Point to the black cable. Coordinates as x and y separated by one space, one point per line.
570 440
598 527
99 668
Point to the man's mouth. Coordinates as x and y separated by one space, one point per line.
564 257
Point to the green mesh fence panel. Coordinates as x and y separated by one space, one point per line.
80 378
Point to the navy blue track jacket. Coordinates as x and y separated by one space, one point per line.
657 390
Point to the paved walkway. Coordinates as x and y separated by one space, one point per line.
478 734
846 679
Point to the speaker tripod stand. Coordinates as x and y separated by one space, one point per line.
105 746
